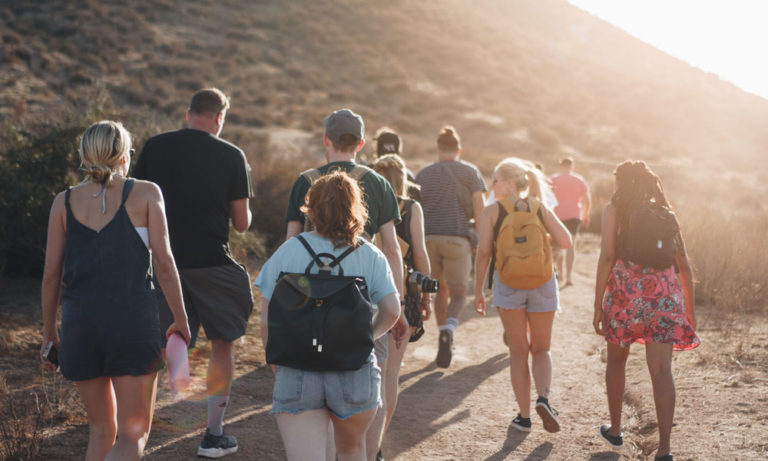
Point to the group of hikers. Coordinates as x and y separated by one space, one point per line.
367 249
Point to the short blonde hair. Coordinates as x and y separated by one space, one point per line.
101 147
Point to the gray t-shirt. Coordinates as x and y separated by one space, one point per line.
443 214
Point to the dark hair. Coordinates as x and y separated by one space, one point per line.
208 101
347 143
636 185
448 140
566 161
335 205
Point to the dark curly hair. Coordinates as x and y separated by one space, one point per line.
636 185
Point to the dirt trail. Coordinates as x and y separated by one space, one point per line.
463 413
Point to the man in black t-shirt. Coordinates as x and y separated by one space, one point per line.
205 182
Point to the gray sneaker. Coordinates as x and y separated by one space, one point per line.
216 446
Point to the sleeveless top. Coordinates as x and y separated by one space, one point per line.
107 280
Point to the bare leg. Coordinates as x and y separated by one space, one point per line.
570 255
614 383
350 435
441 304
659 359
221 367
541 336
458 301
515 326
135 405
99 400
303 434
375 432
391 378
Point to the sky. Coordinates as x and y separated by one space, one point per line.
726 37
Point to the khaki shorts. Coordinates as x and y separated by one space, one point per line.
451 259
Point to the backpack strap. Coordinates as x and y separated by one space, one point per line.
325 267
504 206
457 185
311 175
358 171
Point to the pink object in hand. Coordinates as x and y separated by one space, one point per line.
178 363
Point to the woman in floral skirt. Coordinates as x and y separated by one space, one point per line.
637 302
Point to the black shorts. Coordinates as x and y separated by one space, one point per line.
218 298
573 226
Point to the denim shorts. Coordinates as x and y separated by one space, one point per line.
343 393
542 299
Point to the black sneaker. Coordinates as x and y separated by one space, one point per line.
445 349
216 446
667 457
379 456
616 441
521 424
548 415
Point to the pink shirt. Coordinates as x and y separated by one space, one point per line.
569 188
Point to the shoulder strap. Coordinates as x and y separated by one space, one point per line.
504 206
66 199
358 171
311 175
325 267
127 189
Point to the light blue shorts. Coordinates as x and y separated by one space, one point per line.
542 299
343 393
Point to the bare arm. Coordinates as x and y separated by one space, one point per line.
293 229
240 214
477 205
686 280
391 250
389 312
420 256
484 248
560 235
164 265
263 323
605 263
54 266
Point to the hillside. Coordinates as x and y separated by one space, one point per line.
527 78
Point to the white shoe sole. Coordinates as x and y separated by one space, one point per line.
215 452
612 445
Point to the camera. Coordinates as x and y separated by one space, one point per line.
420 283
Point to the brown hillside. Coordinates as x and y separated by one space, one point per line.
513 76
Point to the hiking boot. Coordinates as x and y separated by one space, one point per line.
216 446
615 441
445 349
521 424
548 415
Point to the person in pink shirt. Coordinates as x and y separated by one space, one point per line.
572 209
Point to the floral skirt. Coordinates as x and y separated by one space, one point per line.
646 305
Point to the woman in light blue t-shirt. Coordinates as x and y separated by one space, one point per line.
305 401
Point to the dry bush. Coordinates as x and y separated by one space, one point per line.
728 253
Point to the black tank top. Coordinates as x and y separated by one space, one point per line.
107 281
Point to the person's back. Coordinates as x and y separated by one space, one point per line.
443 212
199 174
569 188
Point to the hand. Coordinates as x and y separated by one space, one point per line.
43 361
181 328
480 304
426 306
401 332
598 321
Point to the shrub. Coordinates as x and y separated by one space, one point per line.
33 168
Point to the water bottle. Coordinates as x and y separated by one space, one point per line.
178 363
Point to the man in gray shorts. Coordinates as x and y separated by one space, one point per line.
206 182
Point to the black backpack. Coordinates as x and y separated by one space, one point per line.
650 237
320 322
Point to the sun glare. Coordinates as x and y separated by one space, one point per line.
725 38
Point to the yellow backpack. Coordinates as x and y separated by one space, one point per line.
523 254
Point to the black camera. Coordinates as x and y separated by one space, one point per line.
420 283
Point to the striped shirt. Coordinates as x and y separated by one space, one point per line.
439 198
